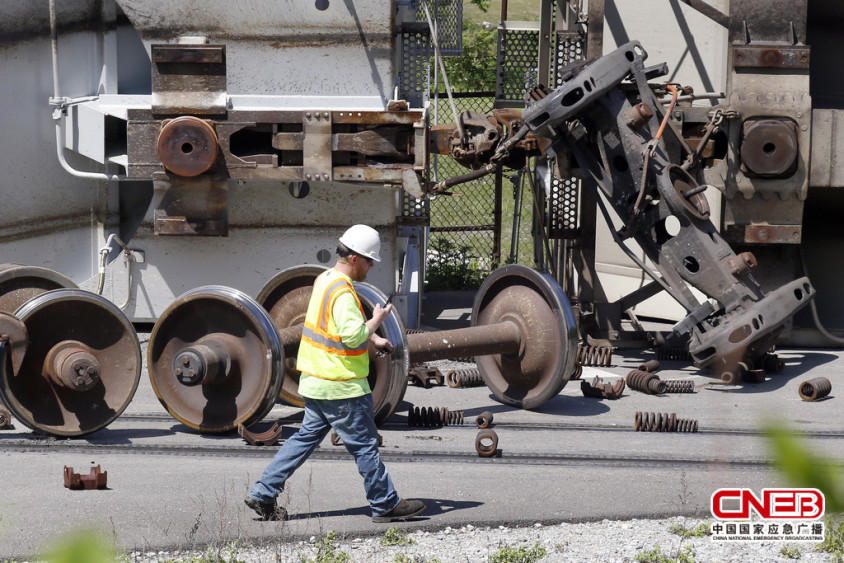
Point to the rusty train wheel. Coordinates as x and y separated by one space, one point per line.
286 297
215 360
546 359
19 284
81 367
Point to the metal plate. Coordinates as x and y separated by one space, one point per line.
536 303
232 320
52 319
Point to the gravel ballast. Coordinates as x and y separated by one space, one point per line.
605 541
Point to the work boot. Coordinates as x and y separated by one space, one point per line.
404 509
266 510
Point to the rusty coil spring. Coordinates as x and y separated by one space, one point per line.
464 378
679 386
814 389
663 422
672 353
645 382
594 355
578 371
432 417
5 418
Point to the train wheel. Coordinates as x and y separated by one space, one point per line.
546 360
215 360
81 367
286 297
19 284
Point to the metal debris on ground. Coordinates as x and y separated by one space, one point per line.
486 443
601 389
484 419
5 418
433 417
645 382
651 366
815 389
424 376
662 422
679 386
95 480
269 437
462 378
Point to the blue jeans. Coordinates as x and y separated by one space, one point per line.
353 421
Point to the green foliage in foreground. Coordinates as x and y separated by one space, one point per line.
327 552
655 555
833 541
452 267
518 554
395 537
699 531
81 547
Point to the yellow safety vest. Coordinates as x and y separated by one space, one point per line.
331 368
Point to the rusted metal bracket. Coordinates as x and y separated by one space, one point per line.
601 389
269 437
425 376
95 480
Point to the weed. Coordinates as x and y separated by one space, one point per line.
518 554
699 531
402 558
790 552
86 546
833 542
452 267
394 537
327 552
655 555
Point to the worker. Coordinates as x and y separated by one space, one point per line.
334 361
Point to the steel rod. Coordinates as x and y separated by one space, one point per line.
498 338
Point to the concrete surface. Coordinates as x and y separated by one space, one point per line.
594 465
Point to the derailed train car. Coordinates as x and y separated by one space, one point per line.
159 147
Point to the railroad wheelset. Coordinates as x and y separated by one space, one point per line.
524 337
71 359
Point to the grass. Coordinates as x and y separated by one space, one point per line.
833 542
517 10
394 536
523 554
655 555
699 531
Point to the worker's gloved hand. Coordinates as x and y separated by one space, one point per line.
382 345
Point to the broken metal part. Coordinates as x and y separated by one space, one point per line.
269 437
460 378
601 389
286 297
484 419
486 443
187 146
97 479
433 417
594 355
425 376
815 389
70 332
679 386
645 382
228 330
634 172
651 366
662 422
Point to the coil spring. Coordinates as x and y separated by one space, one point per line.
679 386
663 422
594 355
578 371
432 417
814 389
671 353
5 418
464 378
645 382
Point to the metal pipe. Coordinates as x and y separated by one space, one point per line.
60 104
499 338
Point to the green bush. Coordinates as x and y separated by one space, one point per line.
451 267
518 554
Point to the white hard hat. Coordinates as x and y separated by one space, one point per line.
363 240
